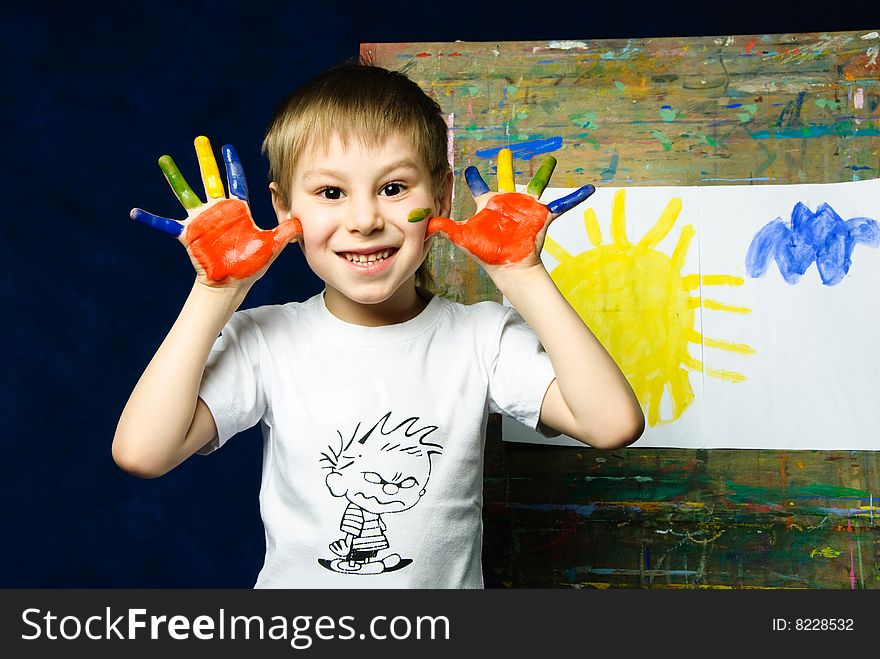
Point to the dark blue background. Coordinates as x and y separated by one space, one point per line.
91 97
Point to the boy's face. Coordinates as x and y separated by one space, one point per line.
353 203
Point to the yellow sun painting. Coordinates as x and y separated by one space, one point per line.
640 305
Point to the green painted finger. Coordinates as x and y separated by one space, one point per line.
181 188
541 179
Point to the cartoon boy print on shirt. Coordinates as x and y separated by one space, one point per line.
384 470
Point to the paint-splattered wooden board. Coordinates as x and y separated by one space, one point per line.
725 110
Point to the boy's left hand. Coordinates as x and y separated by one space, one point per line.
509 227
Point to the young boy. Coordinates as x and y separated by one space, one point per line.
373 396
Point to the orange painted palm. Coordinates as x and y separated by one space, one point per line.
509 226
504 231
220 235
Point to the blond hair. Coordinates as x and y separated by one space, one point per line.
354 102
357 102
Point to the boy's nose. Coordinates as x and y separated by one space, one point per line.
390 488
365 218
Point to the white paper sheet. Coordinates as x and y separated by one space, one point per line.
771 363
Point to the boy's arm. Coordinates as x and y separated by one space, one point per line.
590 399
164 420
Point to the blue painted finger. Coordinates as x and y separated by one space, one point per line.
559 206
475 181
163 224
234 173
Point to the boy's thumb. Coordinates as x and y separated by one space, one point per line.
287 231
443 225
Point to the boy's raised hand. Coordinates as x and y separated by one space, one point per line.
509 227
225 245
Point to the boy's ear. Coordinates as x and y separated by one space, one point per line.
282 210
444 198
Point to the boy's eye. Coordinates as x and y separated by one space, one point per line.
393 189
330 193
372 477
407 482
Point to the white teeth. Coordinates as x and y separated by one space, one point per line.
368 258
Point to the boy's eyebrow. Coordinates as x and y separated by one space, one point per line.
404 163
312 173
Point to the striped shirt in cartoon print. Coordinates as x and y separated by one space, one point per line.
384 470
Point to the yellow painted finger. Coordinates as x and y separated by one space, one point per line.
208 166
505 171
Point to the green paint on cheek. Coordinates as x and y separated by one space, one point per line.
418 214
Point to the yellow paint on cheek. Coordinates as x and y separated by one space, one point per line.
208 165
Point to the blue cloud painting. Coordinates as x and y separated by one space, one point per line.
822 237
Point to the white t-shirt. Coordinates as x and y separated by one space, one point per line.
373 436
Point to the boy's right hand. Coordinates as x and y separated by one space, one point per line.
226 247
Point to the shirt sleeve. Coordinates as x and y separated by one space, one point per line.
521 372
233 384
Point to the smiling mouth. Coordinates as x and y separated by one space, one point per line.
373 257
